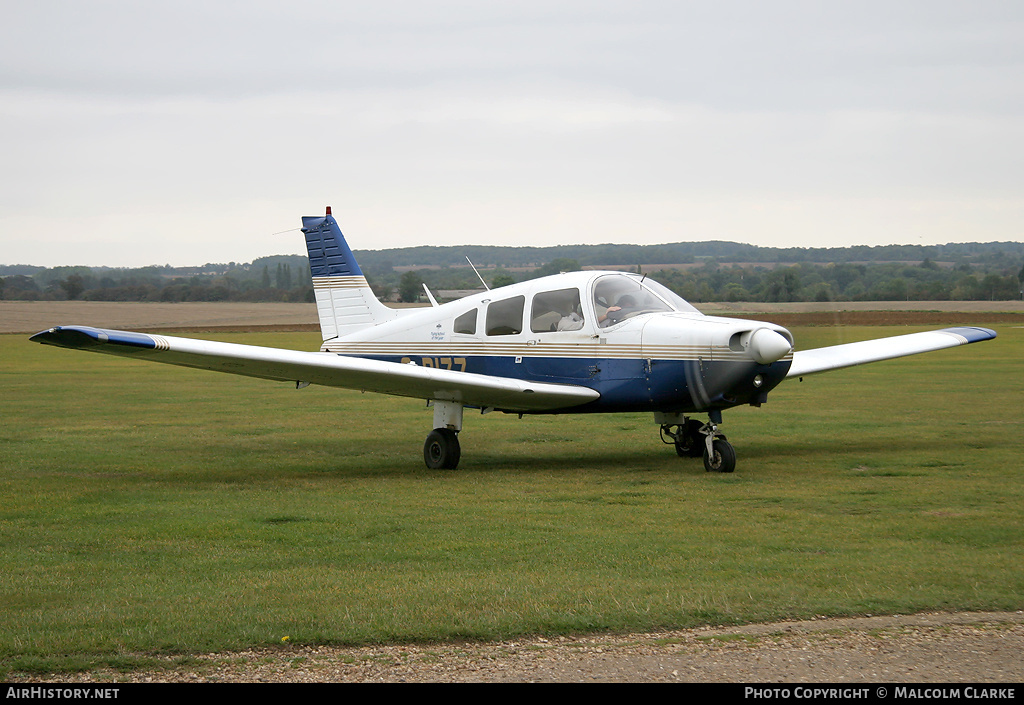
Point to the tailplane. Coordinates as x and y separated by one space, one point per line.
344 299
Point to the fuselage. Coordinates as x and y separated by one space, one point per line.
639 345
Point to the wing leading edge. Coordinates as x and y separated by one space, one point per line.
809 362
326 369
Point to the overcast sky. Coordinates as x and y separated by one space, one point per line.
183 132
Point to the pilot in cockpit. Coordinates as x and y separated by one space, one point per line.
623 308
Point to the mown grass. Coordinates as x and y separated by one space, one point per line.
148 509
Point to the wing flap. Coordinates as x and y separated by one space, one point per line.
326 369
809 362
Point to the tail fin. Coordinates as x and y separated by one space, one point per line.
344 299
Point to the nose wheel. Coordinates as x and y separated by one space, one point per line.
719 456
693 439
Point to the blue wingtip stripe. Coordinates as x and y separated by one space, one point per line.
83 337
972 334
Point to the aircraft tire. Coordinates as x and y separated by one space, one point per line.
442 450
723 459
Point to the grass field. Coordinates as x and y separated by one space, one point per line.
148 508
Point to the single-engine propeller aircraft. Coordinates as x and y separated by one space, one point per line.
580 342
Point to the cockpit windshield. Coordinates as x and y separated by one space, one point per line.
670 296
618 297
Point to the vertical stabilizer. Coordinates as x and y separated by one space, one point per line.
344 299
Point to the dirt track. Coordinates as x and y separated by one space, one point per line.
34 316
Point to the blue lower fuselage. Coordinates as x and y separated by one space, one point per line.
628 384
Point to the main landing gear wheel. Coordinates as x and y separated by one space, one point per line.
722 457
442 450
690 442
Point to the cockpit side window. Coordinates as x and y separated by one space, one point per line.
505 317
556 310
618 297
466 323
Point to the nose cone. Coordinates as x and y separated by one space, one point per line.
767 346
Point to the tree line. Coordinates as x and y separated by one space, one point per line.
278 278
972 271
924 281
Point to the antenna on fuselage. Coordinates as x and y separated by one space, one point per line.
433 301
477 273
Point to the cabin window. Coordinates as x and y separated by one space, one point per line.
466 323
556 310
506 317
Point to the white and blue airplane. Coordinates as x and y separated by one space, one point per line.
580 342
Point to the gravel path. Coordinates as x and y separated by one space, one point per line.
949 648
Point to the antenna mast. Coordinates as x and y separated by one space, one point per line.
477 273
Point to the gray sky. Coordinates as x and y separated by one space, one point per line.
186 132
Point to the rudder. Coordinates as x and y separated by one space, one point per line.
344 300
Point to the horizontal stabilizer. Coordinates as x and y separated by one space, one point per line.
809 362
328 369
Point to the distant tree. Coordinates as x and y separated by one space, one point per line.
410 286
894 289
782 285
996 288
557 266
73 286
501 278
284 276
735 292
966 289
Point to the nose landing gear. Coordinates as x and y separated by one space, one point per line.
693 439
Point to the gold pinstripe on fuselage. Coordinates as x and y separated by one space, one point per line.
588 351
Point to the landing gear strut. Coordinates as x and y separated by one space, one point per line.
693 439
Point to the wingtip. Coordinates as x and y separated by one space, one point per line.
973 334
75 337
85 337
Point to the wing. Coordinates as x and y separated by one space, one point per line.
326 369
809 362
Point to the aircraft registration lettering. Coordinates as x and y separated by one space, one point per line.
441 363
